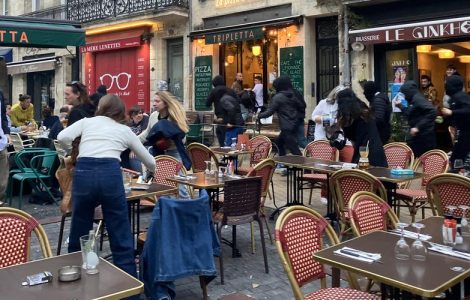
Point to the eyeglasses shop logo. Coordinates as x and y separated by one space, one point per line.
229 3
121 81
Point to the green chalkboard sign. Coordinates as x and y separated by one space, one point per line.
202 81
292 65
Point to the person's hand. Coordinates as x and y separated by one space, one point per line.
132 155
229 125
414 131
219 120
446 112
398 104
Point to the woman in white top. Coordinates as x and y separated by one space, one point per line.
98 177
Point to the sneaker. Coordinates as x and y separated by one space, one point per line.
323 200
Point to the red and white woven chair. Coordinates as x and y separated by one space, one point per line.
448 189
261 146
300 232
16 228
344 184
399 155
199 154
432 163
368 212
321 150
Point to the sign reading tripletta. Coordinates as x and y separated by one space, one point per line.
235 35
412 32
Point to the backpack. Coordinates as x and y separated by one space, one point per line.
248 99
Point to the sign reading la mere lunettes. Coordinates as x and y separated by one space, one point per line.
412 32
202 81
292 65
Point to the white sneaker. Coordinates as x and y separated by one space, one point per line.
323 200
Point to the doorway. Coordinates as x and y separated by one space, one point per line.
175 67
39 87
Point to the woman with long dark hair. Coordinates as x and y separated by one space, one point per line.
76 95
360 128
98 177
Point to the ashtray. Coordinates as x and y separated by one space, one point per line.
70 273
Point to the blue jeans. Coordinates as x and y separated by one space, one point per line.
99 181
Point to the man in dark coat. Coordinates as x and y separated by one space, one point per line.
381 109
459 112
421 115
287 107
214 98
231 116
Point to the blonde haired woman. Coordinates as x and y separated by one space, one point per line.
166 131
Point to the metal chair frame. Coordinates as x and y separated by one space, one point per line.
196 150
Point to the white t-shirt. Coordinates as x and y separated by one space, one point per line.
323 108
102 137
258 90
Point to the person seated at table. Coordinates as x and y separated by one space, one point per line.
22 113
98 177
58 126
13 129
355 118
49 118
166 131
137 123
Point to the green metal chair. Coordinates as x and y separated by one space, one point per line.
37 172
195 133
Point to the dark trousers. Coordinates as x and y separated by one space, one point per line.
220 132
99 181
288 138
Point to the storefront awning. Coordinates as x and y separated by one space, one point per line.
33 65
246 31
6 54
29 32
417 32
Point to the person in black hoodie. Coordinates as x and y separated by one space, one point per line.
214 98
421 115
459 113
287 107
231 116
381 109
354 117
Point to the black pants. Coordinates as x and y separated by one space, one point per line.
287 138
220 132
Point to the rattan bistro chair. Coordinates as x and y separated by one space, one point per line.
343 184
433 162
399 155
368 212
16 227
261 146
448 189
321 150
242 199
199 154
300 232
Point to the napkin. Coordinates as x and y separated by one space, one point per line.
413 235
448 251
349 166
358 254
184 177
141 181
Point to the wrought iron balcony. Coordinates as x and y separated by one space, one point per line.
56 12
93 10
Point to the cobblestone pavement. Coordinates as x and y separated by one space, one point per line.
245 274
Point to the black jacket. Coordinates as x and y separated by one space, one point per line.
382 109
230 109
459 103
360 133
80 112
5 127
216 94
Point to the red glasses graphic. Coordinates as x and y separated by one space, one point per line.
122 80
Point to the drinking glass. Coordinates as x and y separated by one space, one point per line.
89 247
418 250
464 222
126 180
402 249
449 211
458 165
208 167
364 152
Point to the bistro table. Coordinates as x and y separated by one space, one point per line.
133 200
110 283
424 278
229 154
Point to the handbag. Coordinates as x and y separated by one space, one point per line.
162 144
74 151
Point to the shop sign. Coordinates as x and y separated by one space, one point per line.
235 35
231 3
111 45
412 32
202 81
292 65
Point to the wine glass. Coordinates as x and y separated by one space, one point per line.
458 165
402 249
208 167
418 250
464 222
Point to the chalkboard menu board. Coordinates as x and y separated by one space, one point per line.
292 65
202 81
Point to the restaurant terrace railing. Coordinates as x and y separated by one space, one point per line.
95 10
56 13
